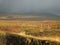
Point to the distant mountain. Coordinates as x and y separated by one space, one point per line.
30 17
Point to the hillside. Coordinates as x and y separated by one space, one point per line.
30 29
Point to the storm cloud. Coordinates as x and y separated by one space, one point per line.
30 6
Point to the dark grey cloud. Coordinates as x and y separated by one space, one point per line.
30 6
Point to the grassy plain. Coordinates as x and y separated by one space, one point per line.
40 30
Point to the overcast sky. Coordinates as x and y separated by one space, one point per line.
30 6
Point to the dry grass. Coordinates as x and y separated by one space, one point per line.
39 30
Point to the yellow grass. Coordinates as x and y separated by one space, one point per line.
32 27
